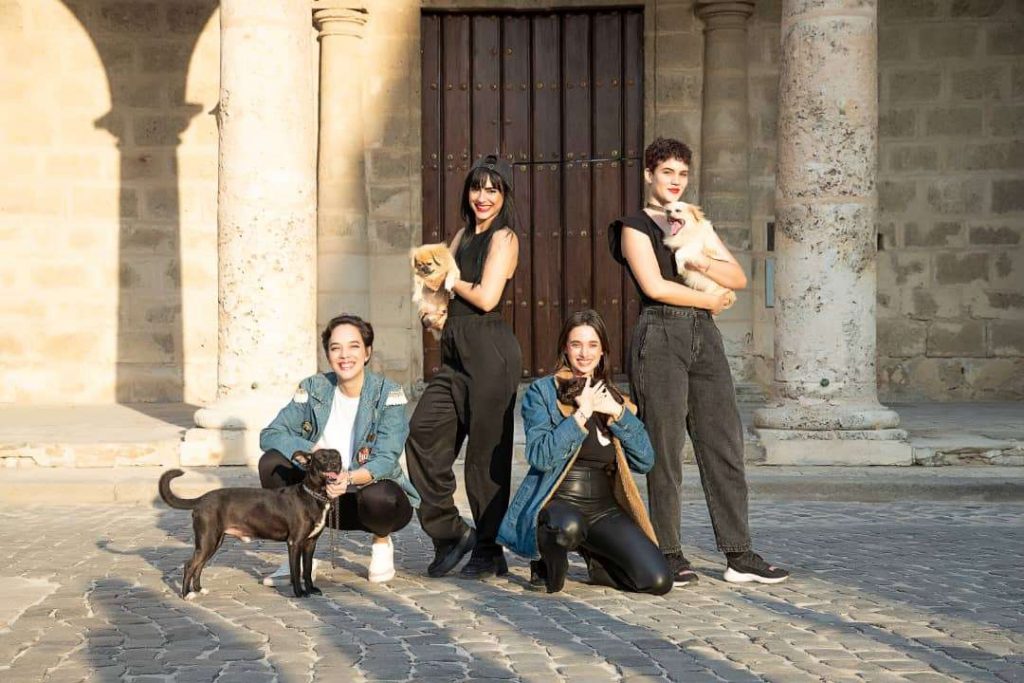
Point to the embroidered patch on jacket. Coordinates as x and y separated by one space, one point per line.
396 397
301 395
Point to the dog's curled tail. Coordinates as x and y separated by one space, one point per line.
169 497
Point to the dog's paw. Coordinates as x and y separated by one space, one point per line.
204 591
192 595
313 590
730 298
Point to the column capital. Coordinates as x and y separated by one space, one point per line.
338 18
724 13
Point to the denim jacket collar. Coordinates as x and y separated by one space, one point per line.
369 402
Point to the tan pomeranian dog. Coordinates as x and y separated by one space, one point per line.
434 273
690 236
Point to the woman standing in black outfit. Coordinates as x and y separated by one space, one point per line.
473 394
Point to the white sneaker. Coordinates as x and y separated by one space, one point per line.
282 576
382 562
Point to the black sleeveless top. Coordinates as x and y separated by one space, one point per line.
470 259
666 259
593 454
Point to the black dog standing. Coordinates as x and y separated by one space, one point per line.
295 514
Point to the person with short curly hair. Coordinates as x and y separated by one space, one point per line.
679 374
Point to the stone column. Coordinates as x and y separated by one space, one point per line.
826 409
266 248
724 178
344 248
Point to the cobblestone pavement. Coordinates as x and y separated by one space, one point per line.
880 592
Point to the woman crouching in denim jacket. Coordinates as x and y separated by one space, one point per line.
360 414
582 441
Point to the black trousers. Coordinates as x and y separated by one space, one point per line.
680 379
584 516
380 508
472 396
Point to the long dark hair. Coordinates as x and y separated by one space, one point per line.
500 175
569 389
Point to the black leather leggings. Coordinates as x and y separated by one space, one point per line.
583 515
380 507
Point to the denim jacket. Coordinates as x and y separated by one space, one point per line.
553 438
379 431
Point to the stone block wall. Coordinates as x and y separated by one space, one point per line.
108 281
951 195
951 199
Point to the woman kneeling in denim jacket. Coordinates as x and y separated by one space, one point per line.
582 440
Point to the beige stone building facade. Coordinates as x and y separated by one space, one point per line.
130 129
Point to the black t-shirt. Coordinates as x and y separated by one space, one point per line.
593 453
645 224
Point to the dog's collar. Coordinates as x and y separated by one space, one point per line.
317 496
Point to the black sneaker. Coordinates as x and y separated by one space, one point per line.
749 566
447 554
681 571
485 565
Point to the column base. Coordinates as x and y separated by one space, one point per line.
228 431
819 414
853 447
812 431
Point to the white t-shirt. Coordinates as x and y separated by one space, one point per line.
338 431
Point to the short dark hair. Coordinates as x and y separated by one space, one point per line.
663 149
365 329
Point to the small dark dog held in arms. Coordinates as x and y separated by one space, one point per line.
295 514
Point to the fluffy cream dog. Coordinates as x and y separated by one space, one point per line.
434 273
690 235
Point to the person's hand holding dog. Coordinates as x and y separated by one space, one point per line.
338 486
585 403
718 302
605 403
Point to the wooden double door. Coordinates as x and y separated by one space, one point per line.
559 95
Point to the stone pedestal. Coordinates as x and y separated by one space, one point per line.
826 408
344 247
266 208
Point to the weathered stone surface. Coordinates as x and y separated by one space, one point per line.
976 8
908 10
960 269
995 234
915 158
941 233
1006 39
1007 337
914 86
937 41
953 121
901 338
960 339
948 196
981 83
1007 196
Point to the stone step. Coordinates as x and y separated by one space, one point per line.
138 485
